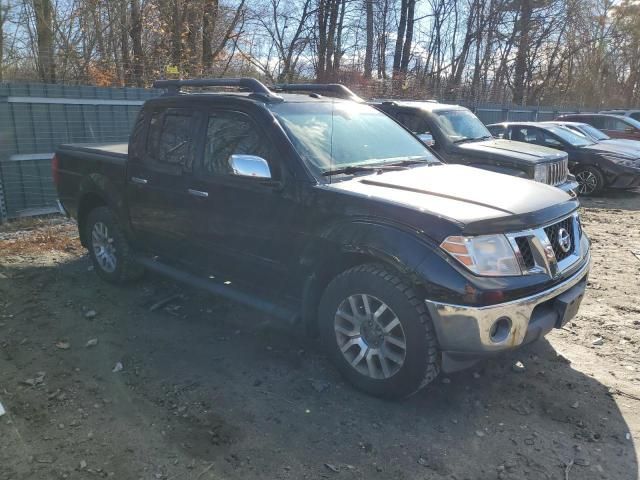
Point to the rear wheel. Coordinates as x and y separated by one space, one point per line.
378 332
108 248
590 181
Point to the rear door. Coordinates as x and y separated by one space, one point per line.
157 183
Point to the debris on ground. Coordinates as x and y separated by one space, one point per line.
90 314
518 367
92 342
2 410
320 385
118 367
332 467
37 380
62 345
598 341
165 301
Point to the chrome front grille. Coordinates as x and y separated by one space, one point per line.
550 249
557 172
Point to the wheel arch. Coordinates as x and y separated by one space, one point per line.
356 244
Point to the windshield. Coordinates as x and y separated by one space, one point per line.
461 125
570 137
593 131
331 136
632 121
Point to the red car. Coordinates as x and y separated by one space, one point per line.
616 126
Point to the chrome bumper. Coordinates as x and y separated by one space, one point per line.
468 329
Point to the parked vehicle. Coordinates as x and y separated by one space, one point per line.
633 113
458 136
328 212
599 136
615 126
595 165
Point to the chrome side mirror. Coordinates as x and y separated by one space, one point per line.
427 138
249 166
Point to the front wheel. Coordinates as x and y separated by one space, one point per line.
108 248
378 333
590 181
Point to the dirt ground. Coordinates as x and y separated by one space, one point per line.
211 390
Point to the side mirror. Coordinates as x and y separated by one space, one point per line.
249 166
427 138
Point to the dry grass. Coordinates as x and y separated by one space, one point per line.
37 236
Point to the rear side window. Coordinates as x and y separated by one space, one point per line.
169 141
597 122
615 124
635 115
230 133
414 122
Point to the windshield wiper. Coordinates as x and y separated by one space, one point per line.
466 139
412 161
353 169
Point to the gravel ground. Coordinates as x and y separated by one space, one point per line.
96 385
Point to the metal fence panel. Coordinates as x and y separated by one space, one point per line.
36 118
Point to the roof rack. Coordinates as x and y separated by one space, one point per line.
329 89
256 87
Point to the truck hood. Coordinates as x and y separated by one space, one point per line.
517 152
464 195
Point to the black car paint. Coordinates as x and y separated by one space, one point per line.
595 155
490 154
286 237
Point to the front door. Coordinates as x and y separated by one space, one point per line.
243 225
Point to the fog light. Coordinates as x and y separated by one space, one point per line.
500 329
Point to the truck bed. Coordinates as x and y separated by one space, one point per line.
83 164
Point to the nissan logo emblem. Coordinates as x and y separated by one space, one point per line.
564 240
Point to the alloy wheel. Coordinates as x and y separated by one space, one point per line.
370 336
103 247
587 182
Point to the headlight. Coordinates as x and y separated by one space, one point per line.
540 174
489 255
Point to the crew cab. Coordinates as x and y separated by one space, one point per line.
596 165
327 213
458 136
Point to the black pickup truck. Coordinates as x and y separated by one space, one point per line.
327 212
458 136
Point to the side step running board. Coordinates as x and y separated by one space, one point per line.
217 288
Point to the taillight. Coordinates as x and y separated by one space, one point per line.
55 173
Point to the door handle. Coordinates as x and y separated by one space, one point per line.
198 193
139 181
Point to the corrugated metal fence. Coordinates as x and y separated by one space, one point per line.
35 118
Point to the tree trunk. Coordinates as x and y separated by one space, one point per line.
44 32
402 26
368 54
124 43
521 55
135 33
406 50
208 27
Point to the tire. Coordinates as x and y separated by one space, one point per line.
108 248
590 180
367 339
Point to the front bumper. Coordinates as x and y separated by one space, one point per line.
466 334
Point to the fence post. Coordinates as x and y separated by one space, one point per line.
4 129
